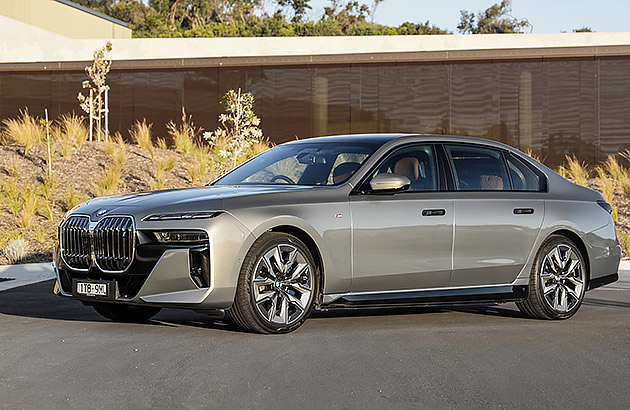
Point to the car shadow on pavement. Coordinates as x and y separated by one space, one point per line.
38 301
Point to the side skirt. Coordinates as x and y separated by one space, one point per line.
432 297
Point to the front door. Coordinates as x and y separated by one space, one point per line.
403 241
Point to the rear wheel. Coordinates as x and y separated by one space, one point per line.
126 313
557 282
277 285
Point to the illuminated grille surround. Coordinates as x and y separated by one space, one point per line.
108 244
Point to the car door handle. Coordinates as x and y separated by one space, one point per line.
433 212
523 211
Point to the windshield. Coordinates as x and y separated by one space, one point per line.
327 163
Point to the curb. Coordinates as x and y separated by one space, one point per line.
25 274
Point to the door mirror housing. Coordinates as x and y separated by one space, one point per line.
389 183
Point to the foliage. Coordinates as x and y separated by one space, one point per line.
583 30
72 199
73 129
615 170
24 130
30 206
239 127
251 18
495 19
162 167
624 239
577 171
141 133
94 103
185 134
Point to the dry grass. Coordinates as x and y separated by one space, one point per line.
107 183
16 250
185 134
72 199
162 167
198 169
615 170
141 133
24 130
624 239
30 207
577 171
73 129
161 144
48 186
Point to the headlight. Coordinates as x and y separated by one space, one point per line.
180 236
181 215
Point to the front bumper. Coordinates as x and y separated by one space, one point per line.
162 277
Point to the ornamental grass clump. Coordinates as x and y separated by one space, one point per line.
24 130
162 167
16 250
141 133
185 134
615 170
30 207
72 199
73 129
624 240
577 171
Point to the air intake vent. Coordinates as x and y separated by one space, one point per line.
113 241
74 238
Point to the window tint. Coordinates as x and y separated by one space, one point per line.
523 178
477 169
416 163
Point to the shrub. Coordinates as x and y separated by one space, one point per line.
73 129
185 134
25 130
141 134
16 250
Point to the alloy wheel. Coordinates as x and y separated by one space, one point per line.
282 285
562 278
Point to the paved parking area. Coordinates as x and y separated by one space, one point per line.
56 353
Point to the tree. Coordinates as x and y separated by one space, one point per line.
96 102
583 30
495 19
299 8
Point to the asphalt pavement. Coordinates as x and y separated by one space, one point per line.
58 354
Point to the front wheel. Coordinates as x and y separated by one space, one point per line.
126 313
557 282
277 285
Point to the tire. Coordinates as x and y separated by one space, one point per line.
274 297
557 282
126 313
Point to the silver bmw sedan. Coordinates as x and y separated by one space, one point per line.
345 221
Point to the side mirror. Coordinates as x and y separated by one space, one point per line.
389 183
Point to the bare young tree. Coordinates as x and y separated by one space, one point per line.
96 103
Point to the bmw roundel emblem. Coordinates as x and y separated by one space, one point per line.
101 212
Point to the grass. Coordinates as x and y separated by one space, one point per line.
161 144
72 199
16 250
30 207
615 170
48 212
162 167
185 134
198 169
48 186
577 171
624 239
73 129
107 183
141 134
24 130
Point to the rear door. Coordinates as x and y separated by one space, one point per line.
498 214
403 241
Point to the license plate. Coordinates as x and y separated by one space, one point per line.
92 289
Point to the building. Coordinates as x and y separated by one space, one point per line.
553 94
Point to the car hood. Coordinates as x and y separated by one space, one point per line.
206 198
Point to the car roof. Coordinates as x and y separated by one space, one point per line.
384 138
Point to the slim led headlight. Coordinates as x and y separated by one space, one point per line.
180 236
181 215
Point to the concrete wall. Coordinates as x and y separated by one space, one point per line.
62 19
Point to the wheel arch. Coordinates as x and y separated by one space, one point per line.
312 247
581 246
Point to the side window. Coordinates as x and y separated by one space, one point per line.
477 168
417 163
523 178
